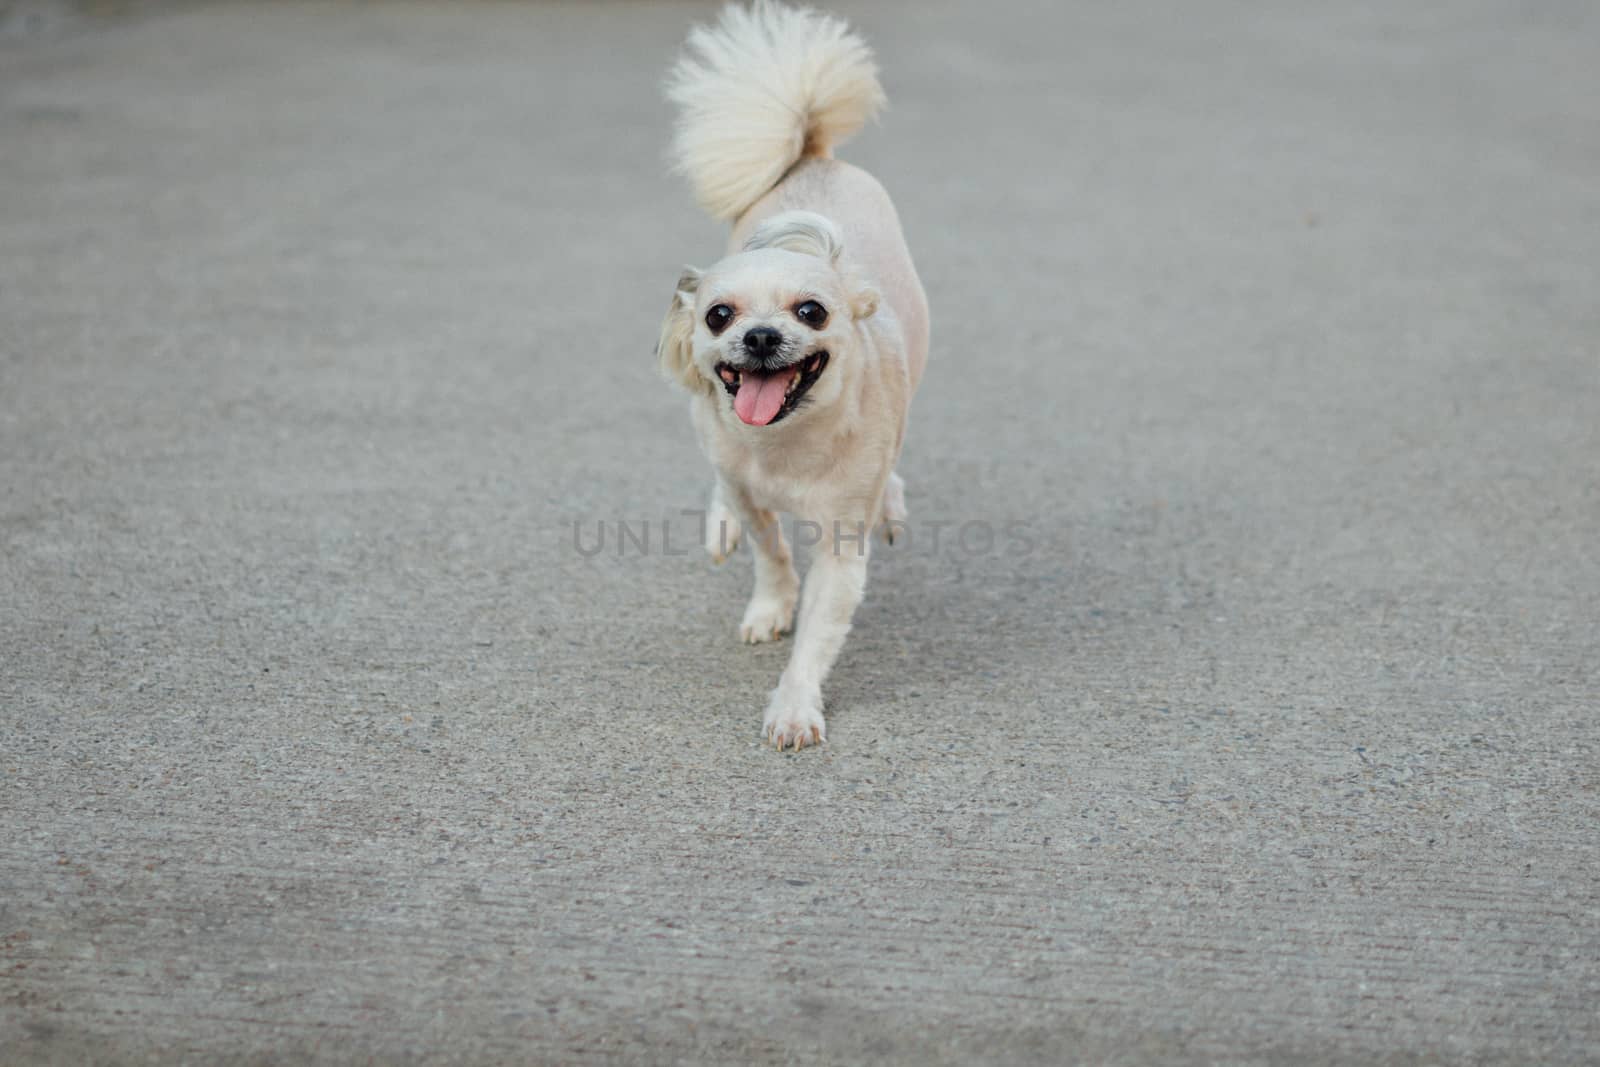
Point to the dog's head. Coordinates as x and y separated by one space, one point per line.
773 329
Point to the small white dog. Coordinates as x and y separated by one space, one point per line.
803 346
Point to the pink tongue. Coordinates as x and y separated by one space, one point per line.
761 395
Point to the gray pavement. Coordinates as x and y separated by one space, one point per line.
1275 326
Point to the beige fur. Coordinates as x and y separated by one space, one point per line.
764 86
765 94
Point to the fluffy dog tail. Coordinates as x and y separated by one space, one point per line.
759 90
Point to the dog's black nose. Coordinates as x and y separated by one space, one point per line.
763 342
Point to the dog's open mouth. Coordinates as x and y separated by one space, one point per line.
761 398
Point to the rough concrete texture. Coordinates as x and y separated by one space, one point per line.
1275 325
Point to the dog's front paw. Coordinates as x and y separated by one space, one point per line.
794 718
767 618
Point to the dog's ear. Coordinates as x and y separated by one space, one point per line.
675 350
863 299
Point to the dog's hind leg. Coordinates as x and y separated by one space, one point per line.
893 523
723 528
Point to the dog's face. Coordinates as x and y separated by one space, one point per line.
770 333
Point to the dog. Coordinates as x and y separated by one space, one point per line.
802 347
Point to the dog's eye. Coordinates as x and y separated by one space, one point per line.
719 317
812 314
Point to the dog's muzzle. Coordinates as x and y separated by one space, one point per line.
762 397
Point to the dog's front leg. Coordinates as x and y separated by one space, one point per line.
770 612
834 586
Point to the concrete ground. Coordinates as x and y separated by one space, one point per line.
1272 737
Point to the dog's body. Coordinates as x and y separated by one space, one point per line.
803 346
